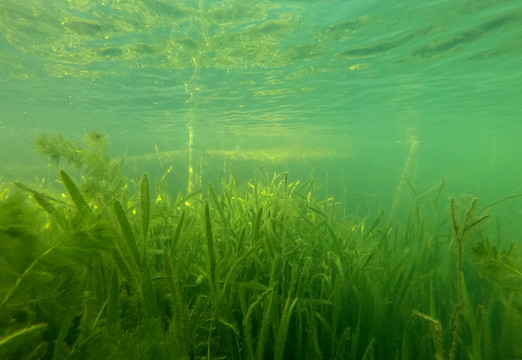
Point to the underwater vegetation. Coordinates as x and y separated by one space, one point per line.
106 268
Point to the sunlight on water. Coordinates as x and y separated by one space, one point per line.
356 81
257 179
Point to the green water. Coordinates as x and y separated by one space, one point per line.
353 80
378 101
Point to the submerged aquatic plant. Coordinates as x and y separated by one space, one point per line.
254 271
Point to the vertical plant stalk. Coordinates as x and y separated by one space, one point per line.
113 305
257 234
126 230
145 206
221 213
247 326
148 289
457 313
284 324
141 269
177 232
211 253
178 322
436 334
345 336
460 231
190 127
268 312
283 329
406 172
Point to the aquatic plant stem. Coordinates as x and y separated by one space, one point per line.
211 252
406 172
460 231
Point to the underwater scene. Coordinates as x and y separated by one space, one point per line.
239 179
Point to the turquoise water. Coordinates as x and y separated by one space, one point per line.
404 113
370 96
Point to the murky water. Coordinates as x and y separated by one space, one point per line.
365 93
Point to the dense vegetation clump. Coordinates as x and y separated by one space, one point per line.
113 269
